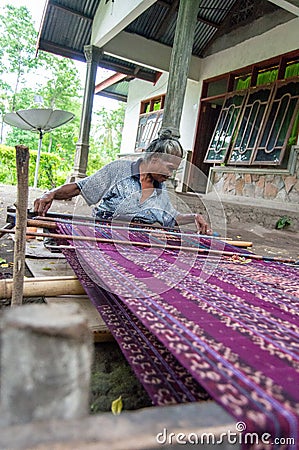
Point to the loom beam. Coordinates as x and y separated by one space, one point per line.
44 286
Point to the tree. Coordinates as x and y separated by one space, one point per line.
57 81
4 105
17 41
63 87
106 137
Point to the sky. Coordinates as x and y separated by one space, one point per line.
36 8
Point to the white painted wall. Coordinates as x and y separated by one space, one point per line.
146 52
281 39
141 90
138 90
291 6
110 19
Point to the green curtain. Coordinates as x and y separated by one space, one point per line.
267 77
292 70
243 83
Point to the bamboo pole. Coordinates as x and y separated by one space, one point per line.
44 286
22 164
51 225
161 246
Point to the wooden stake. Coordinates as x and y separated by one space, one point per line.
46 357
22 163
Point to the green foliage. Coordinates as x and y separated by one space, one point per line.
58 84
106 137
17 41
50 173
23 98
57 81
63 87
283 222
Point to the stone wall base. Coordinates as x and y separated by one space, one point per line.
233 210
281 185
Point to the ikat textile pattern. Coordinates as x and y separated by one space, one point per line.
194 323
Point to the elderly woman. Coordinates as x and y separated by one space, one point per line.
133 191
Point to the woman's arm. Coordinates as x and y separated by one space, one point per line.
43 204
200 223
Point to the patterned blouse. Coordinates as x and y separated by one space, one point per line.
116 191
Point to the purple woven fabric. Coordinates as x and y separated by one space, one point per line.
226 324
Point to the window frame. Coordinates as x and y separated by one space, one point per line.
147 131
277 85
281 63
240 122
227 97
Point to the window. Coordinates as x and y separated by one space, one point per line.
247 134
225 128
150 119
259 117
281 116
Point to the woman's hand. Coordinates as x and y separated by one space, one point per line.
65 192
43 203
200 223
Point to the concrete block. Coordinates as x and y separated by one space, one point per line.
45 363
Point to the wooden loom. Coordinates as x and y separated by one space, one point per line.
191 306
55 288
230 265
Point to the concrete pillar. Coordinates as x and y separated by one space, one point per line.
92 55
179 65
46 356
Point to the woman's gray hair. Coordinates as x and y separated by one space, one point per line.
164 144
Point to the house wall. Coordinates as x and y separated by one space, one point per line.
140 90
281 39
270 184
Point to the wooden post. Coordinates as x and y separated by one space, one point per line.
22 163
179 65
46 357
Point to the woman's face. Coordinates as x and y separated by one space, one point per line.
162 167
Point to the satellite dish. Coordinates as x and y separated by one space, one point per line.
39 121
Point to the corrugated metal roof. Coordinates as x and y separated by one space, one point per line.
117 91
66 27
149 23
67 24
210 16
215 10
